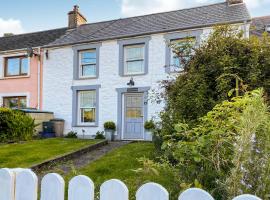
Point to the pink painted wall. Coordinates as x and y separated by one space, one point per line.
27 84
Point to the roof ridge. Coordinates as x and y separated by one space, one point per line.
22 34
158 13
262 17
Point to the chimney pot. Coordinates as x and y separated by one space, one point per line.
75 18
233 2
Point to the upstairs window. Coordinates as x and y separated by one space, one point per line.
87 107
15 102
180 46
134 59
88 64
16 66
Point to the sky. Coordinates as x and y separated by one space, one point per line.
22 16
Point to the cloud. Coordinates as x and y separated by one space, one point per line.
10 26
140 7
256 3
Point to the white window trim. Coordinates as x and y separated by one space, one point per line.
80 123
27 95
80 64
125 60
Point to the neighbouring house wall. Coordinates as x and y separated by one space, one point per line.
58 80
21 85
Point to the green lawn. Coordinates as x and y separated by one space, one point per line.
34 152
121 163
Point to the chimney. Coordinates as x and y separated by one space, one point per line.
233 2
75 18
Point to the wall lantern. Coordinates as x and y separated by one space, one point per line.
131 82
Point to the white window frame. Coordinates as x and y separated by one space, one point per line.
79 109
181 69
81 65
133 60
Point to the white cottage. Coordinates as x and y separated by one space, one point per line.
105 71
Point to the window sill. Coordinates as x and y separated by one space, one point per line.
14 77
87 78
131 75
81 126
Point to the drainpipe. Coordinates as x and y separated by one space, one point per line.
39 68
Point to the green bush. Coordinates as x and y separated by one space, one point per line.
149 125
71 134
211 73
100 135
15 126
110 125
227 151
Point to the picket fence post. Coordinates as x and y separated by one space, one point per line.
52 187
81 188
26 185
195 193
246 197
152 191
113 190
6 184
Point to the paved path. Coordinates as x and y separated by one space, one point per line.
81 161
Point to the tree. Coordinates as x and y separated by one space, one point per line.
225 65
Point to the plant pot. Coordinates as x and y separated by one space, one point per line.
109 134
148 135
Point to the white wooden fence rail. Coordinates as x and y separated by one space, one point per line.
22 184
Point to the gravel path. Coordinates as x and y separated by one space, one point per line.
81 161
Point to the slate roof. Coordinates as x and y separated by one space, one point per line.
197 17
36 39
258 25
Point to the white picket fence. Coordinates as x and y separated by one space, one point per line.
22 184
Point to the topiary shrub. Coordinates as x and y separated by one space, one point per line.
15 126
149 125
110 125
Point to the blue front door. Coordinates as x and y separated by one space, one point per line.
133 116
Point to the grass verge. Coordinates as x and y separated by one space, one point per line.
34 152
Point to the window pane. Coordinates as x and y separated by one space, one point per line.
134 113
88 57
134 67
24 67
89 70
22 102
15 102
134 53
87 99
88 115
13 66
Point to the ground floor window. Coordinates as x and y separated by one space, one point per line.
87 107
15 102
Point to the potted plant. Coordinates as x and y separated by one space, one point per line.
149 127
109 130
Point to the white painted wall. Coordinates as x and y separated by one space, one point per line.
1 67
58 79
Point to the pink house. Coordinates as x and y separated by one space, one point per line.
21 69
